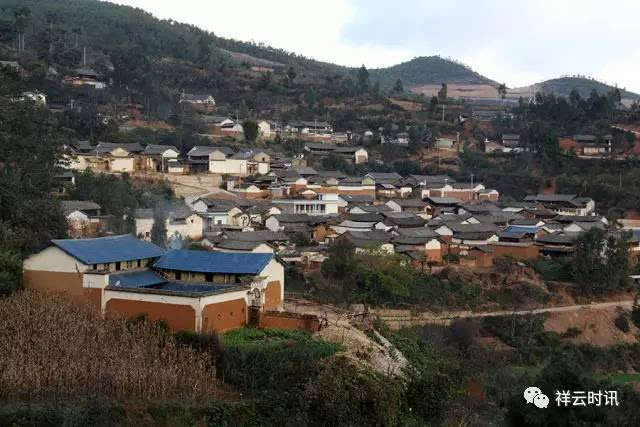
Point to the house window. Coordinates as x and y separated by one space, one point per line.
139 263
178 275
117 266
95 266
208 277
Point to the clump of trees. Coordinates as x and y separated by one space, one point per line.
601 262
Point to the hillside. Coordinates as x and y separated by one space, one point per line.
178 57
564 85
428 70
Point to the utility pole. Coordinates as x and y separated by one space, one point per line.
443 107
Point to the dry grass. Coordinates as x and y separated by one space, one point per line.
53 347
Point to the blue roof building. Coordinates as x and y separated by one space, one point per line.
105 250
214 262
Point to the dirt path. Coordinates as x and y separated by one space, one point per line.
400 318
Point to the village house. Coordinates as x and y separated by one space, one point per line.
563 204
419 239
313 127
120 157
190 290
85 77
322 204
416 206
157 158
200 101
587 145
353 154
289 223
437 205
510 141
83 217
181 223
376 240
61 265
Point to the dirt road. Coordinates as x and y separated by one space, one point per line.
400 318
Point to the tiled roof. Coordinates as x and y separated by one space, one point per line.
108 249
238 245
258 236
159 149
214 262
107 147
293 218
79 205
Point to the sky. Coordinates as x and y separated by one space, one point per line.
518 42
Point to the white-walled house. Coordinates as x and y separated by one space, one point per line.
323 204
157 157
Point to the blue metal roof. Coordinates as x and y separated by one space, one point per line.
136 279
522 229
191 288
103 250
214 262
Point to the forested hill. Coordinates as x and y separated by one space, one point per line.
430 70
133 39
564 85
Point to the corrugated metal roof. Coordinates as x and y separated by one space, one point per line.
136 279
214 262
108 249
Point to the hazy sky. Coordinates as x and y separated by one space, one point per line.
514 41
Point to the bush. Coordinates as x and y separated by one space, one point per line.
10 272
462 333
267 360
557 270
635 316
345 395
622 322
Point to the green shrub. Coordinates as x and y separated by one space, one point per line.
10 272
342 394
635 316
266 360
556 270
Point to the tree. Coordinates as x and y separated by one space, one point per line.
363 79
250 128
310 96
601 262
433 104
398 87
31 148
301 239
10 271
442 93
291 75
21 19
159 228
339 263
204 50
502 90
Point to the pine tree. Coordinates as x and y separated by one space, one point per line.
398 87
159 228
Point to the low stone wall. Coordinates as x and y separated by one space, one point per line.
291 321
